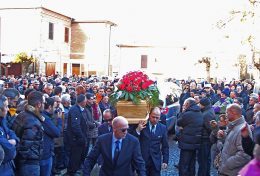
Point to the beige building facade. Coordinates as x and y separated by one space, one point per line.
60 43
41 33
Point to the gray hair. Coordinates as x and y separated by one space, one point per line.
57 80
48 85
65 98
56 98
46 95
107 111
254 96
191 101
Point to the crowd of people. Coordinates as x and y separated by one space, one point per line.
215 125
51 123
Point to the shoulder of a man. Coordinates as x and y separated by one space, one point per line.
74 110
132 138
104 136
24 118
161 125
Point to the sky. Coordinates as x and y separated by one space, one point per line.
173 23
167 23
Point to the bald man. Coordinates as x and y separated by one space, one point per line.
154 143
120 151
233 157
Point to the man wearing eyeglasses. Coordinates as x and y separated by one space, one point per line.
154 143
106 127
120 151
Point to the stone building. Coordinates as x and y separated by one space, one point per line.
90 46
60 43
41 33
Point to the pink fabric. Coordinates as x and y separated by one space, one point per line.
251 169
95 111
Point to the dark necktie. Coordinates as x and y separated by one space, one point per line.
116 152
152 129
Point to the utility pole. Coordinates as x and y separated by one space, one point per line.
109 47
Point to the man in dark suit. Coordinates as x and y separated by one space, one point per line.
120 151
77 134
154 143
106 127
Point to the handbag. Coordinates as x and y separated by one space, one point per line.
217 160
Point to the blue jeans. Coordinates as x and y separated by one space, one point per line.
46 166
28 169
6 169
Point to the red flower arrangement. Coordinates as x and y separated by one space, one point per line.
136 86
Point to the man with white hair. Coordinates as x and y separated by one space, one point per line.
66 103
48 89
125 150
253 99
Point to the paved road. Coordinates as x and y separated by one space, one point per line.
174 159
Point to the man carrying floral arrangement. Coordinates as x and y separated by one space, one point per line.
154 143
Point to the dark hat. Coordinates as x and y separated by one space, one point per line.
205 101
203 92
89 95
11 93
193 91
240 100
226 91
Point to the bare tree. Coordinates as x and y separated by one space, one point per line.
243 67
207 62
247 16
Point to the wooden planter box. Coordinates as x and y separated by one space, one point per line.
132 112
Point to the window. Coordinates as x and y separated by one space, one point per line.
66 37
144 61
51 31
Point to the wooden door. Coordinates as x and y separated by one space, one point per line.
14 69
64 68
50 68
76 69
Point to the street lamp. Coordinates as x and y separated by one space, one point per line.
109 45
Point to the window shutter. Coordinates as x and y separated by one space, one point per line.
143 61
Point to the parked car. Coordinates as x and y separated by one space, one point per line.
171 110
